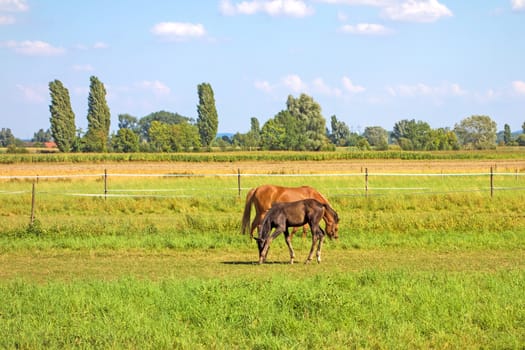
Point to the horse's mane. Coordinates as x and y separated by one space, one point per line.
332 212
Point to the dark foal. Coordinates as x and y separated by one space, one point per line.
282 216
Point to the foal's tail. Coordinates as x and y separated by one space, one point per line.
247 211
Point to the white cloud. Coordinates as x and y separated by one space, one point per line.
100 45
421 89
178 31
358 2
96 46
158 88
33 93
365 28
6 19
417 11
350 87
13 6
263 85
518 5
33 48
294 82
519 87
320 86
292 8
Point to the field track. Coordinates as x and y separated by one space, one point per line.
262 167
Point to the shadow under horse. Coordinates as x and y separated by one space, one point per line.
282 216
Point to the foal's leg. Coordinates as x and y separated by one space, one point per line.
264 252
288 239
314 239
320 244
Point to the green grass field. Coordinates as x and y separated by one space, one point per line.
423 261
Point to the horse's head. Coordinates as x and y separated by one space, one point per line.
332 225
260 245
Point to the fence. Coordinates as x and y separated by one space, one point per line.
363 183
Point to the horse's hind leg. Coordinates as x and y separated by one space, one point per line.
288 239
305 231
319 245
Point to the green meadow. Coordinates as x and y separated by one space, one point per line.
427 259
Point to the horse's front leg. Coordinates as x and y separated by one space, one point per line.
264 251
288 239
314 240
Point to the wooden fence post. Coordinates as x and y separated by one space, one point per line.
491 182
366 182
105 183
33 193
239 181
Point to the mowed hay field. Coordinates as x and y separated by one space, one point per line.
152 257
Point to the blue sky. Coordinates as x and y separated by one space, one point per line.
369 62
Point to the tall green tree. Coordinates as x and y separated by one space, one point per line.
208 120
125 141
164 117
377 137
340 134
62 117
308 114
507 134
127 121
272 135
253 138
477 132
442 139
412 135
6 137
42 136
99 118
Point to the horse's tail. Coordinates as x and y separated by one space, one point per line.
247 211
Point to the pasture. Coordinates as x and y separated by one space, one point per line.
151 256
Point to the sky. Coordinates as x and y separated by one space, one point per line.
368 62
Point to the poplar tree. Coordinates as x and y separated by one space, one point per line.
207 121
97 135
62 117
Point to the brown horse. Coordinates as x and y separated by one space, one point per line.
264 196
282 216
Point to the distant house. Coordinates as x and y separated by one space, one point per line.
50 145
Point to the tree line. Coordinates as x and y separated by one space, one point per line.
301 126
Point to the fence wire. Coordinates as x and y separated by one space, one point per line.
340 191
